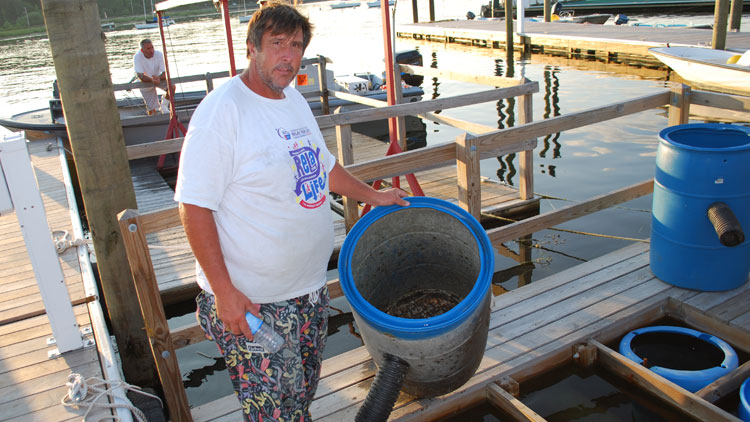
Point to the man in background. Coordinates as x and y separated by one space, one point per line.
149 68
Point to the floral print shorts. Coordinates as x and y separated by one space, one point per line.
278 387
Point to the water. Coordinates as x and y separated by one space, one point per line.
574 165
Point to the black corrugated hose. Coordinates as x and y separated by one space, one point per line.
384 390
726 224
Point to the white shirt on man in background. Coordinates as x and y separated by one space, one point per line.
153 66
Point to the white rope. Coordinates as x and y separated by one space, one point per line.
87 392
63 241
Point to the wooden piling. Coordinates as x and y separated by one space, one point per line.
735 15
77 44
719 38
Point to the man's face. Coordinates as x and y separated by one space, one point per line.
278 60
148 50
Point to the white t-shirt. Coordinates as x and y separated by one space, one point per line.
261 165
149 67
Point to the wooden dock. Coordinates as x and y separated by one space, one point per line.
174 262
608 43
533 329
32 383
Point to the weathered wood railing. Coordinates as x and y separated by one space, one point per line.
466 152
209 77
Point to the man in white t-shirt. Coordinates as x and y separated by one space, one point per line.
149 68
253 188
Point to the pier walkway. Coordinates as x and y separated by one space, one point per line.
609 43
32 383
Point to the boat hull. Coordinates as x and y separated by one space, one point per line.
706 67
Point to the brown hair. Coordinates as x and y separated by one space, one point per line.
279 18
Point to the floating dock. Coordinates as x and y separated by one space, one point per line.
608 43
32 378
534 328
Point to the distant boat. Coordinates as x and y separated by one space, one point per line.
345 4
108 26
246 18
706 66
377 3
154 24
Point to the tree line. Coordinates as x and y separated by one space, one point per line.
16 14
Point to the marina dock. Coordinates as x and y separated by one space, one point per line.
534 329
32 377
607 43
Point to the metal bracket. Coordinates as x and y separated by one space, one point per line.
55 353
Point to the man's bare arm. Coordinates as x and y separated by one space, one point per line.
231 304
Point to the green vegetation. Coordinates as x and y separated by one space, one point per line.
20 18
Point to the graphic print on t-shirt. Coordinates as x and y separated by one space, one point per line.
310 174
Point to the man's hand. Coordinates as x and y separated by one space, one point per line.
155 80
390 197
231 306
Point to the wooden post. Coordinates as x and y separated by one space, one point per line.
323 83
346 157
414 11
95 132
209 82
432 10
525 158
584 355
152 308
467 168
679 105
509 34
719 39
735 16
547 11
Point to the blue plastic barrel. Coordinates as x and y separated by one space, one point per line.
688 358
744 408
696 166
393 252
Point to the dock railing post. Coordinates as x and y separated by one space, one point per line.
467 174
346 157
323 84
679 105
154 318
24 194
526 158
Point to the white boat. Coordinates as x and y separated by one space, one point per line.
152 25
245 18
707 67
139 127
345 4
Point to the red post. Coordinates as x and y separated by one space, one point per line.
175 128
228 30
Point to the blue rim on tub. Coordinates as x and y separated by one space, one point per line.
744 410
422 327
691 380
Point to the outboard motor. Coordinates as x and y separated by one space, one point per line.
55 105
411 57
418 281
557 8
470 15
621 19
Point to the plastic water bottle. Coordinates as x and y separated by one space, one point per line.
263 334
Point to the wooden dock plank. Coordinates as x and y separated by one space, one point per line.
615 43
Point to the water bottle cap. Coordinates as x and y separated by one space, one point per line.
253 321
